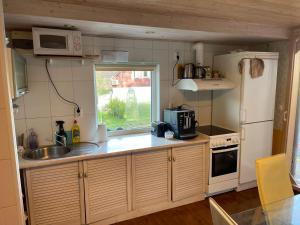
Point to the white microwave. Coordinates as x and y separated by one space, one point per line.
56 42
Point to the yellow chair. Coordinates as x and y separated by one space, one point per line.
219 216
273 179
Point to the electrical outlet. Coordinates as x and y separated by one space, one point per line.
175 56
76 114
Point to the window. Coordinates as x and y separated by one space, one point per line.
127 97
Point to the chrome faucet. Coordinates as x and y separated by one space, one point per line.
63 139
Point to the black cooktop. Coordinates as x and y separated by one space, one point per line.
213 130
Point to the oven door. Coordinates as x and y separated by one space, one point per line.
224 163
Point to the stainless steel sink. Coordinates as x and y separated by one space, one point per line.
54 151
48 152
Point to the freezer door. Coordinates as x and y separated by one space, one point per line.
258 94
256 142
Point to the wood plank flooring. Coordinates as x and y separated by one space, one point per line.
199 213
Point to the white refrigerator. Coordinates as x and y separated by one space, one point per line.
248 108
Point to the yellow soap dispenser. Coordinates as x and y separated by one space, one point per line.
75 132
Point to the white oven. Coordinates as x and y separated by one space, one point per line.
224 163
224 154
56 42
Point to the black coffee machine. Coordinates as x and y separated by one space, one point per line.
182 122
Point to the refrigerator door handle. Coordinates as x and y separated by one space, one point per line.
243 115
243 133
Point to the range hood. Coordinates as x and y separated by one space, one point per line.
204 85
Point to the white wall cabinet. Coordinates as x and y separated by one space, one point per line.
54 195
151 175
107 187
188 171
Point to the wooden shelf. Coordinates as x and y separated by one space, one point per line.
202 85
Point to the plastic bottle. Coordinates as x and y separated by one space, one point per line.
61 136
75 132
33 140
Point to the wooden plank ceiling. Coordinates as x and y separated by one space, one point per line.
265 18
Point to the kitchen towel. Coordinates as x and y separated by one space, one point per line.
256 67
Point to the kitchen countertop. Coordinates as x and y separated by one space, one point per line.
118 145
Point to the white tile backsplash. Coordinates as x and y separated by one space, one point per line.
58 106
124 43
143 44
19 112
60 70
43 128
164 96
101 41
204 98
36 69
191 98
162 58
82 72
37 100
88 41
76 82
141 55
84 96
21 128
204 115
162 45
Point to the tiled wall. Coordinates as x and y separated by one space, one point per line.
40 108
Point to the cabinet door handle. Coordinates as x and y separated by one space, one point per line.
85 174
169 158
174 159
80 175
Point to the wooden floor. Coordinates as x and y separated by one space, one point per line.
199 212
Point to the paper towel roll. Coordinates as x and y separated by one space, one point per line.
101 133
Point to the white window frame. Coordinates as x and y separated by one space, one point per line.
155 93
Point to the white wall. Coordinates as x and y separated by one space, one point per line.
41 107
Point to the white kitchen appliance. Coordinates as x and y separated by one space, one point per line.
224 158
248 108
56 42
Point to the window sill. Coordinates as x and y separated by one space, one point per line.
127 132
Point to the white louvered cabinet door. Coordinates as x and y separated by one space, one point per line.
54 196
188 171
107 184
151 172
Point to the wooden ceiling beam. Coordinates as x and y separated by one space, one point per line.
59 9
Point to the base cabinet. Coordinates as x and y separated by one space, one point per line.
188 171
151 175
54 195
107 187
112 189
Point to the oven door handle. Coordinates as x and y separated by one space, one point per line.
225 150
